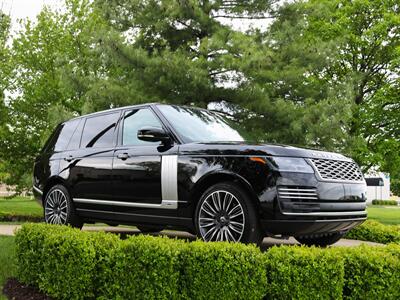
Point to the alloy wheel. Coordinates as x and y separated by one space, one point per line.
221 217
56 207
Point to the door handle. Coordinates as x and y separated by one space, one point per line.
123 156
69 158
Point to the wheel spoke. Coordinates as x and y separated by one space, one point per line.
221 217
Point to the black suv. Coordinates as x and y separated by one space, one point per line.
158 166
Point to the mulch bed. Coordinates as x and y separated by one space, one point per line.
15 290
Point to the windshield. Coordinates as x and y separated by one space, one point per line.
200 125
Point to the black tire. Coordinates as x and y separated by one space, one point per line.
225 220
321 241
59 209
150 228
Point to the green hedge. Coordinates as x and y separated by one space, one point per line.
371 272
11 217
303 273
69 264
384 202
374 231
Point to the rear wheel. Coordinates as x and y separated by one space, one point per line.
150 228
225 213
321 241
59 208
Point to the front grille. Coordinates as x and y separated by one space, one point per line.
330 169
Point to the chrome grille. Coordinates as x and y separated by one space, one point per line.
340 170
297 193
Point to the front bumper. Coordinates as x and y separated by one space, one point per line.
38 194
304 205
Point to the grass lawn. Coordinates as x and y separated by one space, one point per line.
7 261
20 206
385 214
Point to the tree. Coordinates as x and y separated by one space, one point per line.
41 56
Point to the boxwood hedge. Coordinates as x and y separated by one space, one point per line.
69 264
374 231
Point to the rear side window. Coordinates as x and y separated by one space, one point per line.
99 131
76 137
64 137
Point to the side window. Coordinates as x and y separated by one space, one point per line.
99 131
76 137
135 120
65 134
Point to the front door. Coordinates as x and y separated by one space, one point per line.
137 164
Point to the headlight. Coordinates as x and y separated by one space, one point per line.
291 164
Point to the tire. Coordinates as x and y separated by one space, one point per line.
225 213
59 208
321 241
150 228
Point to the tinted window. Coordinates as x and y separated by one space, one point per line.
49 145
67 129
135 120
99 131
76 137
200 125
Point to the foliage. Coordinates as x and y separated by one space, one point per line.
384 202
208 268
143 267
70 264
370 272
59 255
374 231
303 273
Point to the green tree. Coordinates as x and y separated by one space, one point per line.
46 57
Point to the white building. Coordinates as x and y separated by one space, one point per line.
378 186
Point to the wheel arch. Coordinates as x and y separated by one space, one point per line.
52 181
217 177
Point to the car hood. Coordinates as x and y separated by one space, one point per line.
238 148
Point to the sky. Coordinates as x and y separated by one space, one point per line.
21 9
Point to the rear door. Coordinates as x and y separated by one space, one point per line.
87 163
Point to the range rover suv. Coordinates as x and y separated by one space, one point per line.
162 166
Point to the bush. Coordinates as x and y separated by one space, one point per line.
384 202
303 273
144 267
69 264
222 270
371 272
374 231
64 262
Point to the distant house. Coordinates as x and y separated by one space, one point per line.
5 190
378 186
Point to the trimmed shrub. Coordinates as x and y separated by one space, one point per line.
371 272
303 273
64 262
374 231
143 267
70 264
7 217
222 271
384 202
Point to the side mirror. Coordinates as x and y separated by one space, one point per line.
153 134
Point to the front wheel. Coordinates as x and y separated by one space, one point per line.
225 213
321 241
59 208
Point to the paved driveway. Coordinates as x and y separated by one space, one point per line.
267 242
